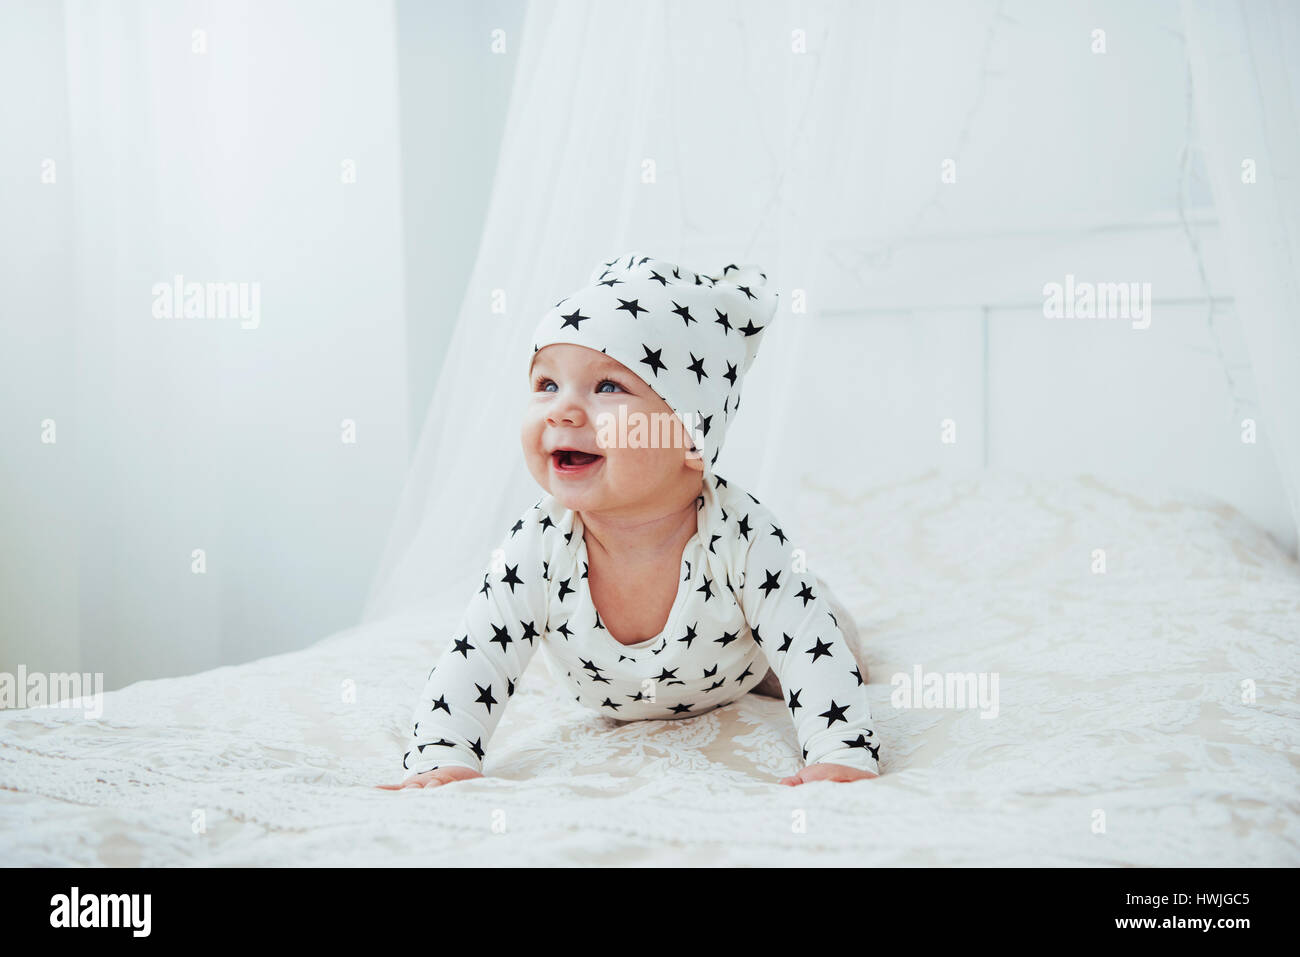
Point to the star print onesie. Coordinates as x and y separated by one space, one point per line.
741 607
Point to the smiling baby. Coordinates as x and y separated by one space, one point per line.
658 589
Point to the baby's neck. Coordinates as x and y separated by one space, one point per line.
646 536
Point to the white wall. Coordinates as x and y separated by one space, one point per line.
1161 406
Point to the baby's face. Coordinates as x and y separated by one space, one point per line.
575 400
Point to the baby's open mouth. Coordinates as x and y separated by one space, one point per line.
572 459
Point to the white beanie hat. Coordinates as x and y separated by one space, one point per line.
689 336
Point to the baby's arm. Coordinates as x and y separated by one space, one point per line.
794 625
468 689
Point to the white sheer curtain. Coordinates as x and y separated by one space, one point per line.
709 132
1242 57
209 141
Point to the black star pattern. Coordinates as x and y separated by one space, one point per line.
821 649
441 742
631 306
806 594
502 636
834 713
573 319
485 696
510 578
772 583
652 360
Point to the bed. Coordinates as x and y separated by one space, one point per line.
1146 715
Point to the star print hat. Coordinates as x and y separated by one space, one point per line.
691 337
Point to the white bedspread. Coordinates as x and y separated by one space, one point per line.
1126 731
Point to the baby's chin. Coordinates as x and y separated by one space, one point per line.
618 490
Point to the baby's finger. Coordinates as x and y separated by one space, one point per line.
413 783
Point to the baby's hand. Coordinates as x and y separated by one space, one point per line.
434 778
827 772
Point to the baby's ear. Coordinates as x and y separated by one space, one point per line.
694 460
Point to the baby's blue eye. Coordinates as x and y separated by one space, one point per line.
542 382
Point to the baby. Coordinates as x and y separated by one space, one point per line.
658 589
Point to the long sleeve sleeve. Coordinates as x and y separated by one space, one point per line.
470 685
796 629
